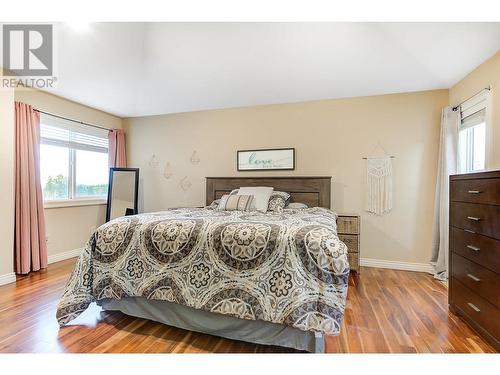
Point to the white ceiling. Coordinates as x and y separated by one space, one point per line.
139 69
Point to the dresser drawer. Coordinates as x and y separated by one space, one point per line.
351 241
479 218
477 309
476 191
477 278
480 249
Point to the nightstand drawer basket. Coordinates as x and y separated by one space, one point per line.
348 231
353 261
348 224
351 241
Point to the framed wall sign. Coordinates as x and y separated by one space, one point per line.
266 159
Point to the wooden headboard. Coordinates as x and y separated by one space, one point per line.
313 191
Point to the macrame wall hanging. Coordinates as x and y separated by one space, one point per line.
379 183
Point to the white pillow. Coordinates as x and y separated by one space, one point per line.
261 196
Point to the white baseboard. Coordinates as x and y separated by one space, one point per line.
404 266
366 262
65 255
7 278
11 277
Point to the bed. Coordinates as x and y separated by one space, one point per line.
267 278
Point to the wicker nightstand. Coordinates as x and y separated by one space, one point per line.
348 230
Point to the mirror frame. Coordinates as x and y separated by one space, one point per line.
110 189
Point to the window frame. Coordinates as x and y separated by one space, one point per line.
470 148
73 200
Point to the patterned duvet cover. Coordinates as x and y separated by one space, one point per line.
288 268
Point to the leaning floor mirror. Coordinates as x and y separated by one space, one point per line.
122 192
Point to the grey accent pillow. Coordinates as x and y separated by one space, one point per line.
214 204
278 201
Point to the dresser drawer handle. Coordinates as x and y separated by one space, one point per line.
474 192
473 307
473 248
476 279
469 231
473 218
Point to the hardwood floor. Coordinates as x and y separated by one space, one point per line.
387 311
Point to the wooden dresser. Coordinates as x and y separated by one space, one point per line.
348 230
474 290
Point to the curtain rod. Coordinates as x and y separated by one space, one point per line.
477 93
70 119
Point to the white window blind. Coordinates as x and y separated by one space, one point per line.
473 111
70 134
472 133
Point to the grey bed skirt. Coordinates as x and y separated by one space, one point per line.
258 331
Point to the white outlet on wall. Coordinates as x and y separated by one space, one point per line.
46 239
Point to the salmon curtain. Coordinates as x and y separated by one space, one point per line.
30 253
116 149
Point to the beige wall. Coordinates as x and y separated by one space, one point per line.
487 74
6 181
69 228
330 138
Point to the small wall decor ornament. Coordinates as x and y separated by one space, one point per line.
185 184
167 171
153 162
195 159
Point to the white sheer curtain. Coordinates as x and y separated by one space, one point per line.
447 165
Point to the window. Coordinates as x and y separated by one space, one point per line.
73 160
472 135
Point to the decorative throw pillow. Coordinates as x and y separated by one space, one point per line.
235 203
278 201
261 196
276 204
285 196
214 204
